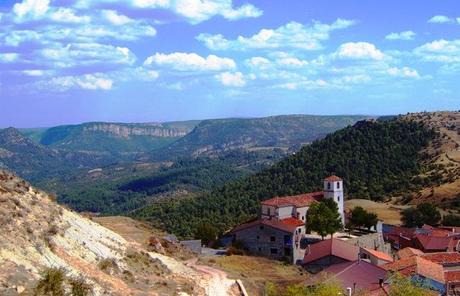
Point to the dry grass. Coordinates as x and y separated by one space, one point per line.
257 271
386 212
128 228
446 155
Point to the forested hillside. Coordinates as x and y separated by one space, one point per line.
375 158
286 132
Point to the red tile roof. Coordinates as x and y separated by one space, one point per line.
452 276
293 221
433 243
333 178
331 247
417 265
299 201
445 258
379 255
288 226
402 231
409 252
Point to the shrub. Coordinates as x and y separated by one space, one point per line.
108 265
79 287
51 283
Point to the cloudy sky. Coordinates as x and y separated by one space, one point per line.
69 61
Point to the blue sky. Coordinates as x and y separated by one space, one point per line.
70 61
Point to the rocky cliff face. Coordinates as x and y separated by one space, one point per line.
39 239
125 131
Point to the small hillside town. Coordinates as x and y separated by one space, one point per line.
366 261
280 232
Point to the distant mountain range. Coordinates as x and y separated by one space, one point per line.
285 133
41 153
116 168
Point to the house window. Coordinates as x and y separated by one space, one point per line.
261 227
268 211
258 237
260 249
338 198
303 218
273 251
272 238
338 185
298 215
328 185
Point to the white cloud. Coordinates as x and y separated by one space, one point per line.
15 38
196 11
257 61
67 15
8 57
231 79
93 82
116 19
292 62
458 20
440 19
359 50
31 8
446 51
403 72
76 54
180 61
406 35
304 84
34 72
89 81
291 35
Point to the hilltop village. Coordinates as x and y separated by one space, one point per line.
363 260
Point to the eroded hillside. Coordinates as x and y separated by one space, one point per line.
443 161
37 234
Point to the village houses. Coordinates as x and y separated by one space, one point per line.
279 231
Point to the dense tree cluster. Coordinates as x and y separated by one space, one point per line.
375 158
324 218
424 213
362 218
451 220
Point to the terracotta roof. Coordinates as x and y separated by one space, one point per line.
409 252
403 231
333 178
379 255
445 258
452 276
417 265
365 275
301 200
274 223
433 243
331 247
293 221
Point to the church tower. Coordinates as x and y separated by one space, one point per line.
333 189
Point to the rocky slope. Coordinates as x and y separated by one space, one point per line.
37 234
443 161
